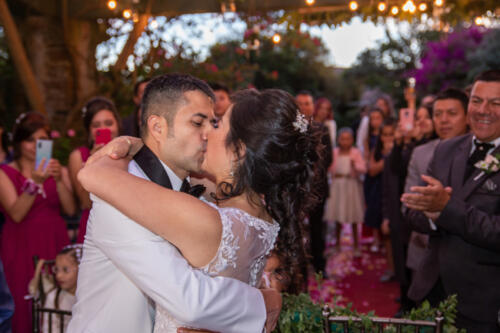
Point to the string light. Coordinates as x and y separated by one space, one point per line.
479 20
382 6
112 4
422 7
394 10
127 14
409 6
353 5
135 17
439 3
276 38
310 2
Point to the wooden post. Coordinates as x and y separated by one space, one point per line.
21 62
128 49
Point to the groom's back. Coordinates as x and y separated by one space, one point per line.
107 301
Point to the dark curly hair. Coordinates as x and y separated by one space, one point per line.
277 162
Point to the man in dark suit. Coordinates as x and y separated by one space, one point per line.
305 102
450 120
461 206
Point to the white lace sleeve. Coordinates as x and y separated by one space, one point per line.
246 242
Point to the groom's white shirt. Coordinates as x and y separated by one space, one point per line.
124 263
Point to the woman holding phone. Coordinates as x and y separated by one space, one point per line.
31 199
102 123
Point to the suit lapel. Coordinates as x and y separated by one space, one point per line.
477 178
152 167
459 164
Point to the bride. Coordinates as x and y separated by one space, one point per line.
262 156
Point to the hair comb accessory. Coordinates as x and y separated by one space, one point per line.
300 124
20 118
84 111
78 251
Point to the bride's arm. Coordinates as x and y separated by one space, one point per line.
191 225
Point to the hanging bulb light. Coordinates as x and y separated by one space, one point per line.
276 38
479 20
439 3
382 6
310 2
353 5
422 7
112 4
127 14
153 24
135 17
394 10
409 6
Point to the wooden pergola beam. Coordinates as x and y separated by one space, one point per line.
20 59
128 49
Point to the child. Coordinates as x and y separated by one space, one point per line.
63 297
373 180
346 202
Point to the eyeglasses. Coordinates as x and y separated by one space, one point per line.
64 270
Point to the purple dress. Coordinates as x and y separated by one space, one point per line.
42 232
82 229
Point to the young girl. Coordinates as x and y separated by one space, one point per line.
373 181
63 296
346 201
98 113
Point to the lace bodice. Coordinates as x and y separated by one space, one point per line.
246 241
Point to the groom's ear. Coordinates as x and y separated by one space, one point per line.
157 127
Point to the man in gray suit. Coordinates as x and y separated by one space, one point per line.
450 120
461 206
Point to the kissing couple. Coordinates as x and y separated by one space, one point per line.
156 258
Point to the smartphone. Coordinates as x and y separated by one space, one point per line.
43 150
102 135
407 119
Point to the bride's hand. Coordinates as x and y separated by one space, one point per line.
273 302
118 148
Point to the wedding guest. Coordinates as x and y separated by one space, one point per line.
31 199
6 303
450 120
373 180
393 180
131 125
346 202
222 100
317 227
462 200
384 103
323 113
5 152
375 120
63 296
99 113
277 274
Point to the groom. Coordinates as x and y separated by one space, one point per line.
125 268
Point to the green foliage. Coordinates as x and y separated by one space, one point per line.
486 56
300 314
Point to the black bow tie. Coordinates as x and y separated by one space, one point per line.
483 146
196 190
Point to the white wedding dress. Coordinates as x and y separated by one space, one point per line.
246 242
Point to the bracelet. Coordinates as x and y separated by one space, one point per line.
31 188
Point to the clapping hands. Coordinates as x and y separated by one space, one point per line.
430 199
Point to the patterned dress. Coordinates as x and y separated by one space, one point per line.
246 241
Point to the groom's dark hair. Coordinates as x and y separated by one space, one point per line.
164 95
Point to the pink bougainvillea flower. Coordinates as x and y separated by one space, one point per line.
55 134
71 133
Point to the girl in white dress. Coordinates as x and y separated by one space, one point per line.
346 203
263 157
63 296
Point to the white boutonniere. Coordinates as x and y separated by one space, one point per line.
488 165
